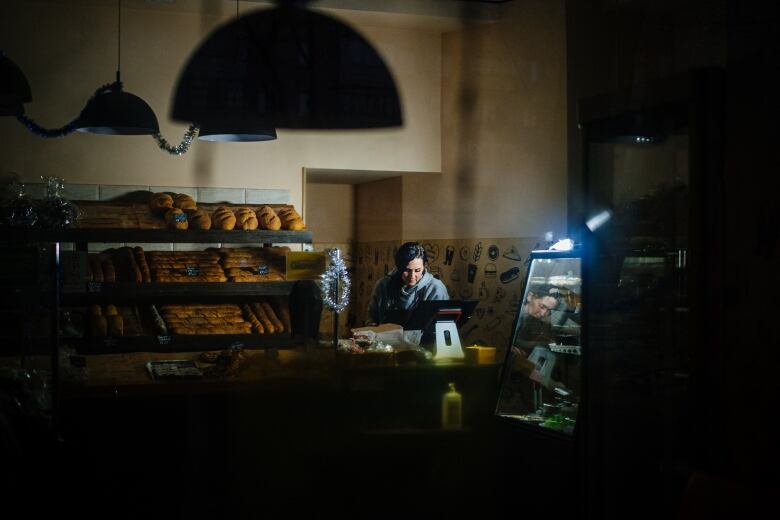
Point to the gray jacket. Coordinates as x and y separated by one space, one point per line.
389 296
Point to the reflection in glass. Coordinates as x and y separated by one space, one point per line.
541 378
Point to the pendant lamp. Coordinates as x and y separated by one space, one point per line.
14 89
112 111
294 68
236 126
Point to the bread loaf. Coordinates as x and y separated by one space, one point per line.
246 219
160 203
176 219
98 326
251 318
268 219
115 326
223 218
198 219
184 201
95 267
109 273
140 260
111 310
291 219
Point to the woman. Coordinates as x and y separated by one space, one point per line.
397 294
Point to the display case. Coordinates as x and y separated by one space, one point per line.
540 383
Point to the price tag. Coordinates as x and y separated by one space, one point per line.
180 217
94 287
193 270
236 345
262 269
163 340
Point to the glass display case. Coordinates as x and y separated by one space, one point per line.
540 383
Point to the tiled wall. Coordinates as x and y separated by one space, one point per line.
109 192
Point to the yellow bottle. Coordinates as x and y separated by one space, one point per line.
451 410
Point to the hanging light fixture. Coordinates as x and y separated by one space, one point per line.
293 68
236 126
112 111
14 89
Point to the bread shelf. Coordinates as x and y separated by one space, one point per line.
176 343
96 292
129 235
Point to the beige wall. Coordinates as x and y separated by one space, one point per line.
330 212
378 215
68 49
503 131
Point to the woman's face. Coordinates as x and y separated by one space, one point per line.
412 273
540 307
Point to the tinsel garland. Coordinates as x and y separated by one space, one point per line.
180 148
336 275
69 128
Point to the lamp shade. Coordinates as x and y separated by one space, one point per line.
14 89
287 67
237 131
117 112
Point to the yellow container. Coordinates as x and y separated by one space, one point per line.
479 355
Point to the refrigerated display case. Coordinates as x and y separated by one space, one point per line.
541 378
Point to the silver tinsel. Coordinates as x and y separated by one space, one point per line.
180 148
336 275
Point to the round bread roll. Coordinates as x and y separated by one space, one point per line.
184 201
160 203
268 220
246 219
198 219
176 219
223 218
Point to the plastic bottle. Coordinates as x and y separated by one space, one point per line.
451 409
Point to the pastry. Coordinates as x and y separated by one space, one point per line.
184 201
198 219
246 219
251 318
263 317
278 326
107 266
115 326
268 219
223 218
111 310
175 218
98 325
93 261
128 268
282 309
160 203
140 260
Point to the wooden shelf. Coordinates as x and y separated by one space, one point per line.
113 235
176 343
157 292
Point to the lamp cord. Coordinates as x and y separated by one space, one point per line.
118 38
69 128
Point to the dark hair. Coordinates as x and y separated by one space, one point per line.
408 252
544 290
